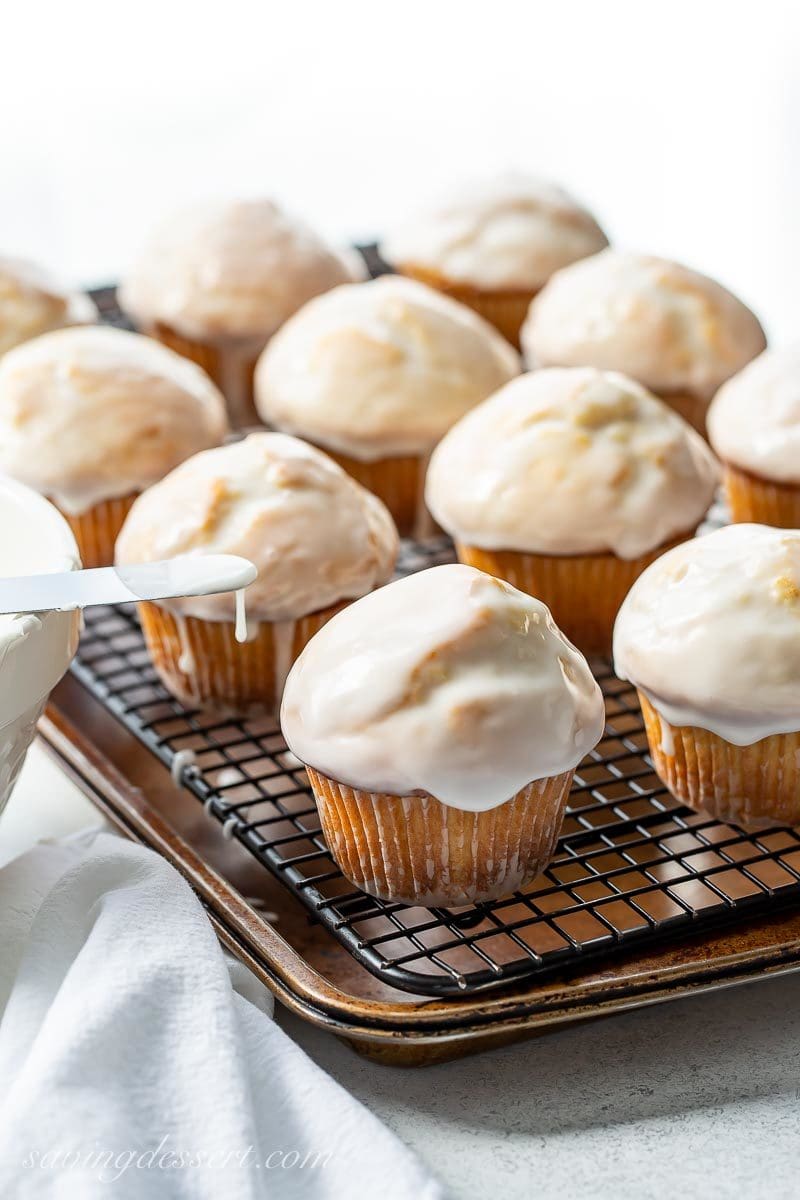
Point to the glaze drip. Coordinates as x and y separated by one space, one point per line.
314 535
241 630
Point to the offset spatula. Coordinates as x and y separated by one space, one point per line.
187 575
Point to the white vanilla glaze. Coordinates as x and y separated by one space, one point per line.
181 764
314 535
509 233
32 303
754 419
380 369
448 682
571 461
188 575
669 327
711 633
229 270
241 632
15 740
192 575
91 413
35 651
186 659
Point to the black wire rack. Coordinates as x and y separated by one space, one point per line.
633 865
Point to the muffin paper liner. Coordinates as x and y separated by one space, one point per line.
416 850
230 366
762 500
400 484
692 408
756 786
202 665
506 310
97 529
583 591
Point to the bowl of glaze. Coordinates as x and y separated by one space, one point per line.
35 649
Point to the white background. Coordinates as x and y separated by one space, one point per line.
677 122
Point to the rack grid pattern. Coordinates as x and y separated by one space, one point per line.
633 865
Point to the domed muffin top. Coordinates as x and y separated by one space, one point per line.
711 633
448 682
378 369
315 536
670 328
90 413
229 271
32 303
571 461
508 233
754 419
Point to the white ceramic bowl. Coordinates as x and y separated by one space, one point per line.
35 650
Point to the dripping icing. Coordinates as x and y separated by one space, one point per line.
186 658
667 740
180 764
241 631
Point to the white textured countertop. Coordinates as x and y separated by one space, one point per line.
694 1098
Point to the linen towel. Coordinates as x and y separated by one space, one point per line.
138 1060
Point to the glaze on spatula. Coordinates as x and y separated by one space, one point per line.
187 575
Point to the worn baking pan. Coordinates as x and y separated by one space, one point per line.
265 924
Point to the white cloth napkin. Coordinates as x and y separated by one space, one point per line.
137 1060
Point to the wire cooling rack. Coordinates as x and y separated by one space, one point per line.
633 865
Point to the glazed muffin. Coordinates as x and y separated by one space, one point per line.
494 244
90 417
440 721
754 426
317 539
375 373
709 636
32 303
567 483
215 281
675 331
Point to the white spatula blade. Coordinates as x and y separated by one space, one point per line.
187 575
